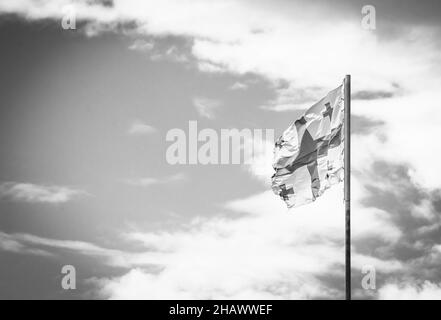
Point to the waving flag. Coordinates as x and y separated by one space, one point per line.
309 156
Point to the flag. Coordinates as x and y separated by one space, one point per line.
309 156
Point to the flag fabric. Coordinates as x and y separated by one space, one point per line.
309 156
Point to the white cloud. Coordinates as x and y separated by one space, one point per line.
260 152
266 252
425 291
412 125
291 98
141 128
29 192
142 45
206 107
239 86
149 181
50 9
225 35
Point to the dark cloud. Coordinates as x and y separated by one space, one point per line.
396 193
377 94
104 3
372 95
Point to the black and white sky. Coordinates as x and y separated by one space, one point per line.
84 180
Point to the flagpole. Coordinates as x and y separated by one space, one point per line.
347 183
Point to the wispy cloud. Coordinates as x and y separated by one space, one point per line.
374 94
149 181
24 243
206 108
141 128
28 192
160 49
9 243
289 97
142 45
239 86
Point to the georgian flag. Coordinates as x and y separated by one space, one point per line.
309 156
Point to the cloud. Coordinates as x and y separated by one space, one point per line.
206 107
49 9
260 152
141 128
407 136
290 98
257 37
223 256
164 49
255 248
234 48
149 181
10 244
24 243
239 86
425 291
371 95
142 45
268 252
260 252
28 192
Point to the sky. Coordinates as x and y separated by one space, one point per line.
84 178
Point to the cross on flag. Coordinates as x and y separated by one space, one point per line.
284 193
309 156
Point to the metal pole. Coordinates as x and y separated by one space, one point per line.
347 183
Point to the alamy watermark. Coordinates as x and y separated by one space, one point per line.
208 146
69 281
369 280
69 19
369 17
